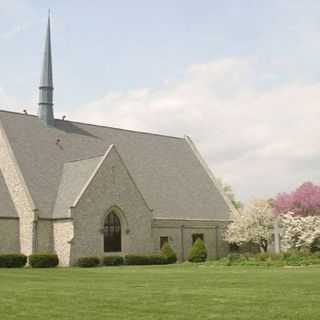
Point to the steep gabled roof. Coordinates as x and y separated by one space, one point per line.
7 208
165 169
74 176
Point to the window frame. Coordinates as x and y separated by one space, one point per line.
162 243
112 231
197 235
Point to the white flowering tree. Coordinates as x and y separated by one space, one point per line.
252 224
299 232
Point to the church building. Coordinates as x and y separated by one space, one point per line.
82 189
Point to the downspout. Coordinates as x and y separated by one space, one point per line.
35 231
216 228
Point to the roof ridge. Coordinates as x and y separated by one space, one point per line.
98 125
121 129
19 113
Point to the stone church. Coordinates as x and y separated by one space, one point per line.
81 189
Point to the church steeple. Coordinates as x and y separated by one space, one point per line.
46 83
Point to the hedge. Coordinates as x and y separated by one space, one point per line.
88 262
112 261
198 252
168 252
12 260
43 260
154 259
290 258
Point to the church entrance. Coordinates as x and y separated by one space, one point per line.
112 233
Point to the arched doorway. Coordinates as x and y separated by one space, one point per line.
112 233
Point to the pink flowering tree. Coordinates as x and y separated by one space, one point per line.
304 201
299 213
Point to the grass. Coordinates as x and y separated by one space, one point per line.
160 292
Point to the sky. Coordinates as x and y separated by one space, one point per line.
241 77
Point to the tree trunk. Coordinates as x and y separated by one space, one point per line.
264 245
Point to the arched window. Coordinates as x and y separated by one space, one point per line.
112 233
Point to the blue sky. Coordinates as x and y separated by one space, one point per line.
249 67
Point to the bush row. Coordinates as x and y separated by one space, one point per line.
167 256
12 260
44 260
119 260
290 258
198 253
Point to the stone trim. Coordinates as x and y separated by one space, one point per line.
55 219
95 172
193 220
120 213
188 223
17 167
20 195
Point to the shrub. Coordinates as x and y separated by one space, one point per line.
296 258
132 259
112 261
315 246
263 256
168 252
43 260
12 260
88 262
232 257
198 252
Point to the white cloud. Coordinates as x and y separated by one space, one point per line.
7 102
15 30
16 16
261 142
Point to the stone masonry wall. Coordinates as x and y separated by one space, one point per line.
20 196
180 236
111 189
63 235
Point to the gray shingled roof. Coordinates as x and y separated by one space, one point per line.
7 208
165 169
74 176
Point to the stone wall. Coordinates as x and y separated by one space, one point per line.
180 236
9 236
19 193
111 188
63 235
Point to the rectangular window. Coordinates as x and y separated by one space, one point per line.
163 240
195 236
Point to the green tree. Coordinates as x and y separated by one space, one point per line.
227 189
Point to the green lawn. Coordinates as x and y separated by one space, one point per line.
161 292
